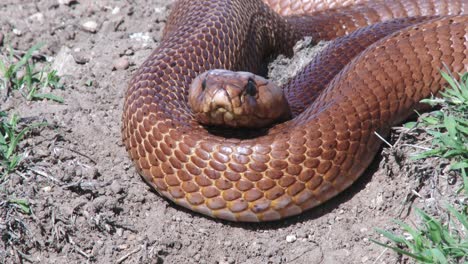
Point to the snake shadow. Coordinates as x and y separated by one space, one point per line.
314 213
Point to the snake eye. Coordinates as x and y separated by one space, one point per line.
251 88
203 85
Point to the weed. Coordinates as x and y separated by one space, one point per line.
434 242
24 77
10 137
21 204
449 126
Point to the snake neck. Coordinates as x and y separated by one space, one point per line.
249 44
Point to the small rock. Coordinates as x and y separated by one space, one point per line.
227 260
116 187
80 57
64 62
160 13
116 10
141 37
123 246
291 238
228 243
42 153
121 64
17 32
67 2
90 26
99 203
39 17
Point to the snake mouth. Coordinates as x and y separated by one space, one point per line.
224 114
221 101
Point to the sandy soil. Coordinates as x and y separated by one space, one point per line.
89 204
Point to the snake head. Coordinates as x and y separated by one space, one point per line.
237 99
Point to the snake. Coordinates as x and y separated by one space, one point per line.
375 71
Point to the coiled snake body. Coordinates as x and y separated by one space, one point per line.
303 162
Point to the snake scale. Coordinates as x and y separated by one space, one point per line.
301 163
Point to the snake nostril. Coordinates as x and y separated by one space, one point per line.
203 85
251 88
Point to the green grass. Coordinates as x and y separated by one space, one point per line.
22 204
21 74
434 241
449 126
10 137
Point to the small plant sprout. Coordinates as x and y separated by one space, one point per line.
23 76
10 137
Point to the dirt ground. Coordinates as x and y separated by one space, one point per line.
90 206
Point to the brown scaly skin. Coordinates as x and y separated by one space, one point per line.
305 87
304 7
237 100
298 164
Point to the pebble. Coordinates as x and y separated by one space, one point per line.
17 32
141 37
39 17
227 260
47 189
99 203
121 64
42 153
116 187
64 62
80 57
123 246
90 26
228 243
116 10
66 2
291 238
176 219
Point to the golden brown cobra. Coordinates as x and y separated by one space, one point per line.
301 163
